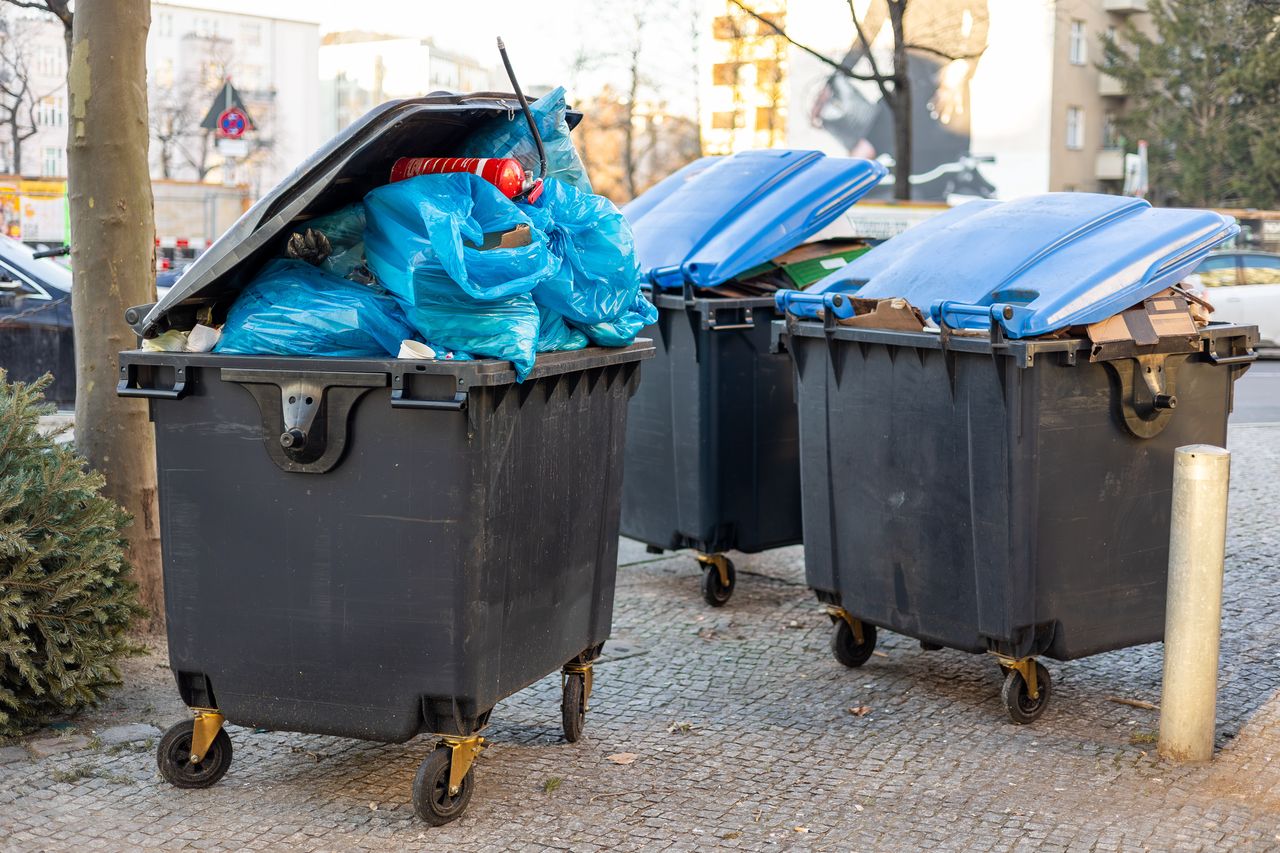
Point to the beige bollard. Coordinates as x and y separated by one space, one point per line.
1193 613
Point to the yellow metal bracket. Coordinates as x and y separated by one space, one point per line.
585 669
208 722
1026 667
855 625
462 754
720 562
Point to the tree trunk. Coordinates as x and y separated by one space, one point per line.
901 104
17 147
112 254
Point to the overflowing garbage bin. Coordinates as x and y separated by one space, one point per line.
998 479
370 546
711 454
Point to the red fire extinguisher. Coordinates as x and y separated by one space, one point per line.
505 173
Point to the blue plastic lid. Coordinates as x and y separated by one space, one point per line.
720 216
1038 264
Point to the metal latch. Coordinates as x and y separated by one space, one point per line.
737 317
1147 405
304 413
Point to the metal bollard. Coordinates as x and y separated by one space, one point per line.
1193 612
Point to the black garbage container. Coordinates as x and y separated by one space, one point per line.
376 548
987 493
711 457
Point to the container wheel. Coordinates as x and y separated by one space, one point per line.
714 592
431 798
1021 707
573 706
845 646
173 757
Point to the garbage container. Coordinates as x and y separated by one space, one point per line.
1002 483
375 548
711 458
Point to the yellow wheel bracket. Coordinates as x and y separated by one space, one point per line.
855 625
585 669
207 725
720 562
1026 667
462 754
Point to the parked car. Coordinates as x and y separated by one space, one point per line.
1244 287
35 320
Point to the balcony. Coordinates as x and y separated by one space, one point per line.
1124 7
1110 87
1110 165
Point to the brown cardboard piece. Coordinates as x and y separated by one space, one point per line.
1164 315
896 314
513 239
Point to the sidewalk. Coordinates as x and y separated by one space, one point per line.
740 724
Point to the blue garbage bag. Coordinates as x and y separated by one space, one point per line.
345 229
294 308
555 335
510 137
621 332
599 277
422 242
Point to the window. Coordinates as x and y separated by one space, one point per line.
778 19
52 165
1079 49
50 111
251 34
1110 134
768 73
1075 128
725 73
164 24
767 119
724 121
1219 271
725 28
49 61
1259 269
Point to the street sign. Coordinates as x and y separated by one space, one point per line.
232 123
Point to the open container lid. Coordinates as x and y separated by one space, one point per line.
342 171
720 216
1037 264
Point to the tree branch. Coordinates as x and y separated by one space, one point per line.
881 80
826 60
942 54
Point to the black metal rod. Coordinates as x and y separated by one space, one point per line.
524 106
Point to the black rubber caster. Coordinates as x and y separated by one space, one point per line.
173 757
1021 707
431 798
714 592
573 706
848 650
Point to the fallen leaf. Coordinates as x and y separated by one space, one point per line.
860 710
802 829
373 807
623 757
880 654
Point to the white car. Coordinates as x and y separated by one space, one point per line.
1244 287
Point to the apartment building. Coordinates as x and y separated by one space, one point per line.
1008 97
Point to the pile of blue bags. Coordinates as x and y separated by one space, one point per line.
417 260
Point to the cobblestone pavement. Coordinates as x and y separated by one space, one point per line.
741 726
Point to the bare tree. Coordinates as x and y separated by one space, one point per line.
18 102
634 51
894 82
60 9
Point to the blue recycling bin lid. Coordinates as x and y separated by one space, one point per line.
720 216
1037 264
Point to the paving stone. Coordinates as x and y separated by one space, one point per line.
45 747
127 734
13 753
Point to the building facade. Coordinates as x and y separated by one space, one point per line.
359 70
1008 97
